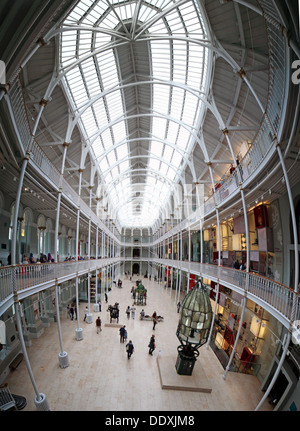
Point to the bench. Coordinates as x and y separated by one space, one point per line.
16 362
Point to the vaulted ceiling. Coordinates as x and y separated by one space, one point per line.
142 91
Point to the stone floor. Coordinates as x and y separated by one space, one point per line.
101 378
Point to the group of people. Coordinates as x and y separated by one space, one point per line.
130 346
30 260
130 310
239 265
71 311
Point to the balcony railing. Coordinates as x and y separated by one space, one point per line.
29 279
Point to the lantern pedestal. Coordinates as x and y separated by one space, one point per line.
171 380
185 364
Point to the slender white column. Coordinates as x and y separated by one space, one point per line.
16 213
286 342
56 251
214 316
62 356
43 103
295 234
89 316
40 399
78 330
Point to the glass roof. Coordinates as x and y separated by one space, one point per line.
134 71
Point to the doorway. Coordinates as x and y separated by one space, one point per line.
135 268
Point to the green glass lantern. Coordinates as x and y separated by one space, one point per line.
193 327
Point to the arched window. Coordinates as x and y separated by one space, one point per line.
48 237
41 223
25 231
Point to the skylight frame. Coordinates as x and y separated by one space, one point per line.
172 114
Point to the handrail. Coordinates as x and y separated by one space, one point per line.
278 297
31 278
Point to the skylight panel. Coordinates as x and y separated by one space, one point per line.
156 148
115 105
159 126
107 67
84 43
146 13
106 138
76 13
104 124
154 164
119 131
172 132
183 138
114 172
163 169
104 164
111 158
97 147
168 151
174 22
176 158
100 112
124 166
161 94
190 106
122 151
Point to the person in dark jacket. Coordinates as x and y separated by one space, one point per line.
151 345
129 349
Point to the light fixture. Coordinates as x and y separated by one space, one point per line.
193 327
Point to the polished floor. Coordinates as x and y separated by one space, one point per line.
101 378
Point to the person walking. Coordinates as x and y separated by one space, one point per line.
129 349
154 318
151 345
99 303
178 307
106 298
133 312
128 312
122 334
98 324
72 312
